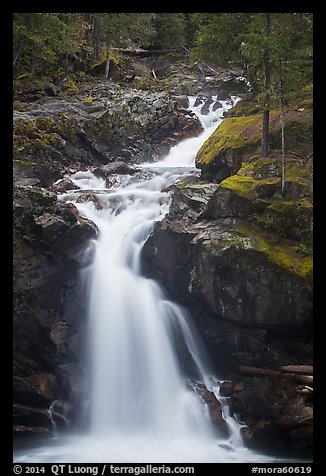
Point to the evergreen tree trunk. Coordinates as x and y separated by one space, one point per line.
267 67
18 49
108 51
33 68
282 131
95 37
265 133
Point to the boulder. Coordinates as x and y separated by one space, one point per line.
51 90
37 389
238 138
275 416
34 418
118 167
182 101
205 109
217 105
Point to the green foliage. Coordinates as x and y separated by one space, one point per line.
53 41
220 36
169 30
289 48
42 37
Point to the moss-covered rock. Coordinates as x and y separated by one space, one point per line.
244 108
222 153
290 218
238 137
289 255
254 193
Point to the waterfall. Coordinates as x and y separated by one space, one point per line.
141 406
137 385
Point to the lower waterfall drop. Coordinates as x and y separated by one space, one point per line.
141 406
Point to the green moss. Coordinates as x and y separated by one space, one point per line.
243 185
291 218
24 163
298 171
291 256
43 123
39 198
69 87
27 133
233 132
285 206
260 177
247 186
23 76
45 131
244 108
241 133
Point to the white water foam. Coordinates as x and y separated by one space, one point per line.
140 406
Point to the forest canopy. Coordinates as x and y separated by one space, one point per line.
50 40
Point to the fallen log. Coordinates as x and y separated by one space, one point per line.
305 391
305 379
143 53
258 371
298 369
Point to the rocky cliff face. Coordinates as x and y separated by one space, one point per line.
237 251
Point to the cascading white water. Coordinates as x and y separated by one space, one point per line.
137 386
141 408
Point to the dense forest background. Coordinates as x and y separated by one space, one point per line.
274 50
61 41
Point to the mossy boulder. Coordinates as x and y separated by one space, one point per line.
244 108
290 218
254 193
238 138
222 153
286 254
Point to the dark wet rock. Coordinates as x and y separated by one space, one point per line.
51 90
118 167
182 101
205 109
199 100
230 272
38 389
214 407
121 131
226 389
63 185
216 105
49 238
216 413
276 416
23 430
35 417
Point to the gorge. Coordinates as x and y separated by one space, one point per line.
109 188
